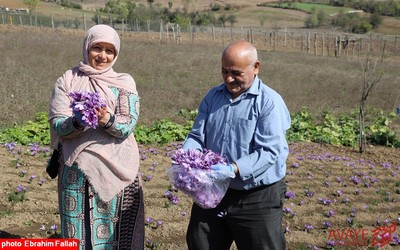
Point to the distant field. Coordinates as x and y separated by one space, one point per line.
171 77
247 12
309 7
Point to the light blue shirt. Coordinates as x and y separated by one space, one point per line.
250 131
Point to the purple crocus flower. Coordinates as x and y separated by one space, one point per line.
330 213
21 188
290 195
149 220
83 106
308 227
327 224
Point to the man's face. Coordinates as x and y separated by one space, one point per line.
238 74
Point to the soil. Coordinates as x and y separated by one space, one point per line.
325 183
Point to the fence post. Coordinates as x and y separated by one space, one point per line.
274 40
285 37
84 21
315 43
292 33
337 42
52 21
161 30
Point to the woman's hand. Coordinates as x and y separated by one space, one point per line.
103 116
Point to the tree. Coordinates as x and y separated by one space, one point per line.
371 77
31 4
232 19
375 20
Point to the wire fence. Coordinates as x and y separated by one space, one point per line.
318 42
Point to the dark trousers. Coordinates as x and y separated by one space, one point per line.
251 218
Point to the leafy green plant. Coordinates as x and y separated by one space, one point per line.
6 213
326 128
31 131
379 133
162 131
15 197
302 128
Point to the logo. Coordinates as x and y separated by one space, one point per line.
377 237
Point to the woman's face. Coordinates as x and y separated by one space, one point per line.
101 55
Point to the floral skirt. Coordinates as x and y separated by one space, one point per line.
117 224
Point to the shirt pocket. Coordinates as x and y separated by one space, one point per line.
244 132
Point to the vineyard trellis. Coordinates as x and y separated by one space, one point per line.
318 42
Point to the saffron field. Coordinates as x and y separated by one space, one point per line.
335 197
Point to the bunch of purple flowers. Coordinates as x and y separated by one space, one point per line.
191 173
83 105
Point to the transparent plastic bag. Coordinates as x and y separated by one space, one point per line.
206 187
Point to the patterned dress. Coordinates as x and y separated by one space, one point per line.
116 224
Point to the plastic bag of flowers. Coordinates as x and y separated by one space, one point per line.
191 174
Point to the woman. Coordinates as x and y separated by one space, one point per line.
100 193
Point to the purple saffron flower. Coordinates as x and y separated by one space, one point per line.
330 213
339 179
308 227
349 221
308 193
83 106
287 210
290 195
396 240
327 224
345 200
331 243
296 165
325 201
21 188
355 180
149 220
159 223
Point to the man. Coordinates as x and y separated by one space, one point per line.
245 121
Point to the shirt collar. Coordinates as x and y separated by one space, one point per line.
255 86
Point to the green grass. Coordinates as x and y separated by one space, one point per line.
309 7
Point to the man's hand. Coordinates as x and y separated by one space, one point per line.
223 167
